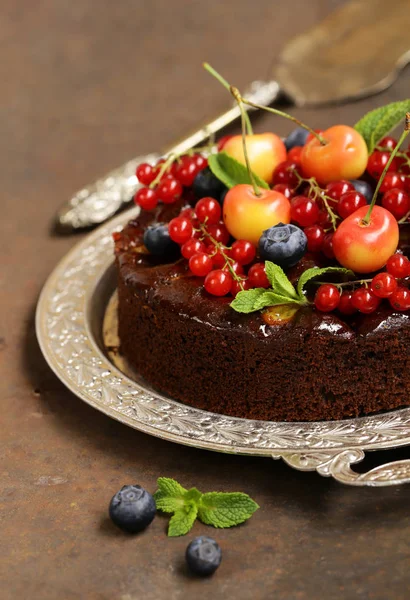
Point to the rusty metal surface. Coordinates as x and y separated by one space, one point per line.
85 86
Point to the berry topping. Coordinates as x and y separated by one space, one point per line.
243 252
364 300
283 244
304 211
327 298
240 286
315 235
158 241
297 137
345 304
286 172
146 198
337 189
208 210
398 266
207 185
219 233
180 230
383 285
350 202
191 247
145 173
218 282
363 188
200 264
393 180
257 276
169 190
377 161
397 202
132 508
203 556
400 299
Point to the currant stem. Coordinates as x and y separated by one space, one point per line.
226 85
386 168
235 93
219 246
280 113
344 283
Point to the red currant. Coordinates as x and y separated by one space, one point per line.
294 154
388 142
180 230
186 171
188 213
209 210
191 247
397 202
284 189
219 233
336 189
324 219
156 170
233 266
393 180
345 305
304 211
285 173
218 257
200 264
400 299
257 276
240 286
364 300
169 190
200 161
327 297
218 283
398 266
350 202
145 173
383 285
327 246
315 236
146 198
377 161
243 252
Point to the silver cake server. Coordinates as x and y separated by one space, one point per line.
356 51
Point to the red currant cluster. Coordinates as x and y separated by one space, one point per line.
366 298
165 181
203 238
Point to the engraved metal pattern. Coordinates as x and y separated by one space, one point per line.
65 337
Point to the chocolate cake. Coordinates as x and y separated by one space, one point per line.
196 349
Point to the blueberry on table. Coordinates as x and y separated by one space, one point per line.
203 555
158 242
284 245
132 508
207 185
297 137
363 188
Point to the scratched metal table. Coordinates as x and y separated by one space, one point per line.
85 86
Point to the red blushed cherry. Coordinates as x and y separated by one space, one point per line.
383 285
350 202
200 264
303 211
257 276
315 237
241 286
327 298
345 305
397 202
247 215
366 248
393 180
365 301
243 252
285 173
377 161
400 299
343 156
180 230
218 283
398 265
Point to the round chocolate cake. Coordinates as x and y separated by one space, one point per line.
193 347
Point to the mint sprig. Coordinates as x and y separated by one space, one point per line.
381 121
231 172
282 291
213 508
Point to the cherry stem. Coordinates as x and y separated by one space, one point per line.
235 93
226 85
403 136
280 113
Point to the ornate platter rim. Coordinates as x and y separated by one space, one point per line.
64 335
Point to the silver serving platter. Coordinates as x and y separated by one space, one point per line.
74 329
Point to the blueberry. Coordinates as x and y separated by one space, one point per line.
132 508
203 555
207 185
297 137
283 244
158 242
364 188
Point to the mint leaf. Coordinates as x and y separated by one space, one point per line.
230 171
311 273
279 281
270 298
183 519
380 121
226 510
170 495
244 301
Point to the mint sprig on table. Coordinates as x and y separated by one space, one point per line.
231 172
376 124
218 509
282 291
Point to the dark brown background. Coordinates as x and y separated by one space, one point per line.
85 86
